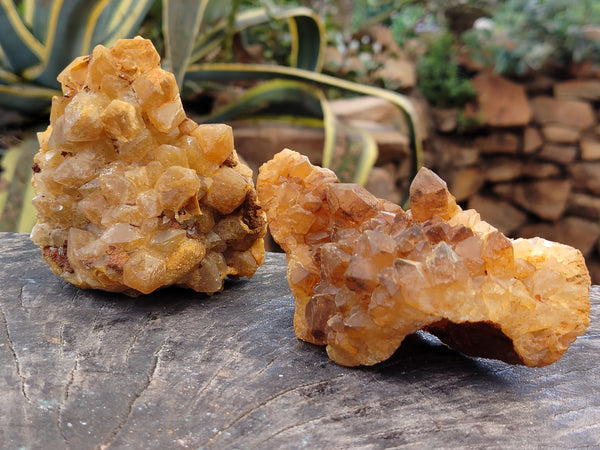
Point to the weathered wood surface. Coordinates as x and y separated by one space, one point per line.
83 369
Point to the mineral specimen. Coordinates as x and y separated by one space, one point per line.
131 195
365 273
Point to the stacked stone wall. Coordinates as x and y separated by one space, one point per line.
532 168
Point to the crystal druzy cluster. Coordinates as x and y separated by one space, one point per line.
365 273
131 195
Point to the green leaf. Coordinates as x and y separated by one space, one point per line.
298 100
19 45
308 39
181 22
234 72
358 155
26 98
7 77
37 16
118 19
377 12
16 211
306 30
291 101
301 98
71 33
330 125
69 21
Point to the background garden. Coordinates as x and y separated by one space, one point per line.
500 98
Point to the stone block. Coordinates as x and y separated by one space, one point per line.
532 140
259 142
586 176
584 205
498 142
545 198
397 74
502 169
452 153
382 184
560 134
370 108
466 182
422 113
594 267
540 170
569 113
590 149
445 119
540 84
588 90
562 154
574 231
502 103
392 143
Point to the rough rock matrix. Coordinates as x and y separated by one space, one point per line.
131 195
365 273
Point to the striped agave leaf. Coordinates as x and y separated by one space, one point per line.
298 85
306 30
181 23
306 101
16 191
36 44
364 160
195 29
19 45
48 35
35 16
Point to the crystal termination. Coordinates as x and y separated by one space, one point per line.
131 195
365 273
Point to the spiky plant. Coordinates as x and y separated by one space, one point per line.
44 36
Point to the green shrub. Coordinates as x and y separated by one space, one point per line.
404 25
439 77
526 35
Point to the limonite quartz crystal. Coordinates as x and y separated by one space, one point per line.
131 195
364 273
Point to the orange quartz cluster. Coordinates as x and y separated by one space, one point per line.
131 195
365 273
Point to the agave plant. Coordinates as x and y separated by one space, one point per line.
41 37
293 84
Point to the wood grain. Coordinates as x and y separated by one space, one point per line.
84 369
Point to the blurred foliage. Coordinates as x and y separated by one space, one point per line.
439 77
527 35
411 22
206 43
273 52
467 122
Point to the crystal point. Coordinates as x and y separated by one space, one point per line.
365 273
133 196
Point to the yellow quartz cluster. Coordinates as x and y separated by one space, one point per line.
365 273
131 195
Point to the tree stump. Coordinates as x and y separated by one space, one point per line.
176 369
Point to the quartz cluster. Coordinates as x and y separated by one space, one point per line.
131 195
365 273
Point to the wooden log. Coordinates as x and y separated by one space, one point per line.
175 369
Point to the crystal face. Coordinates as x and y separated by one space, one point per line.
365 273
131 195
